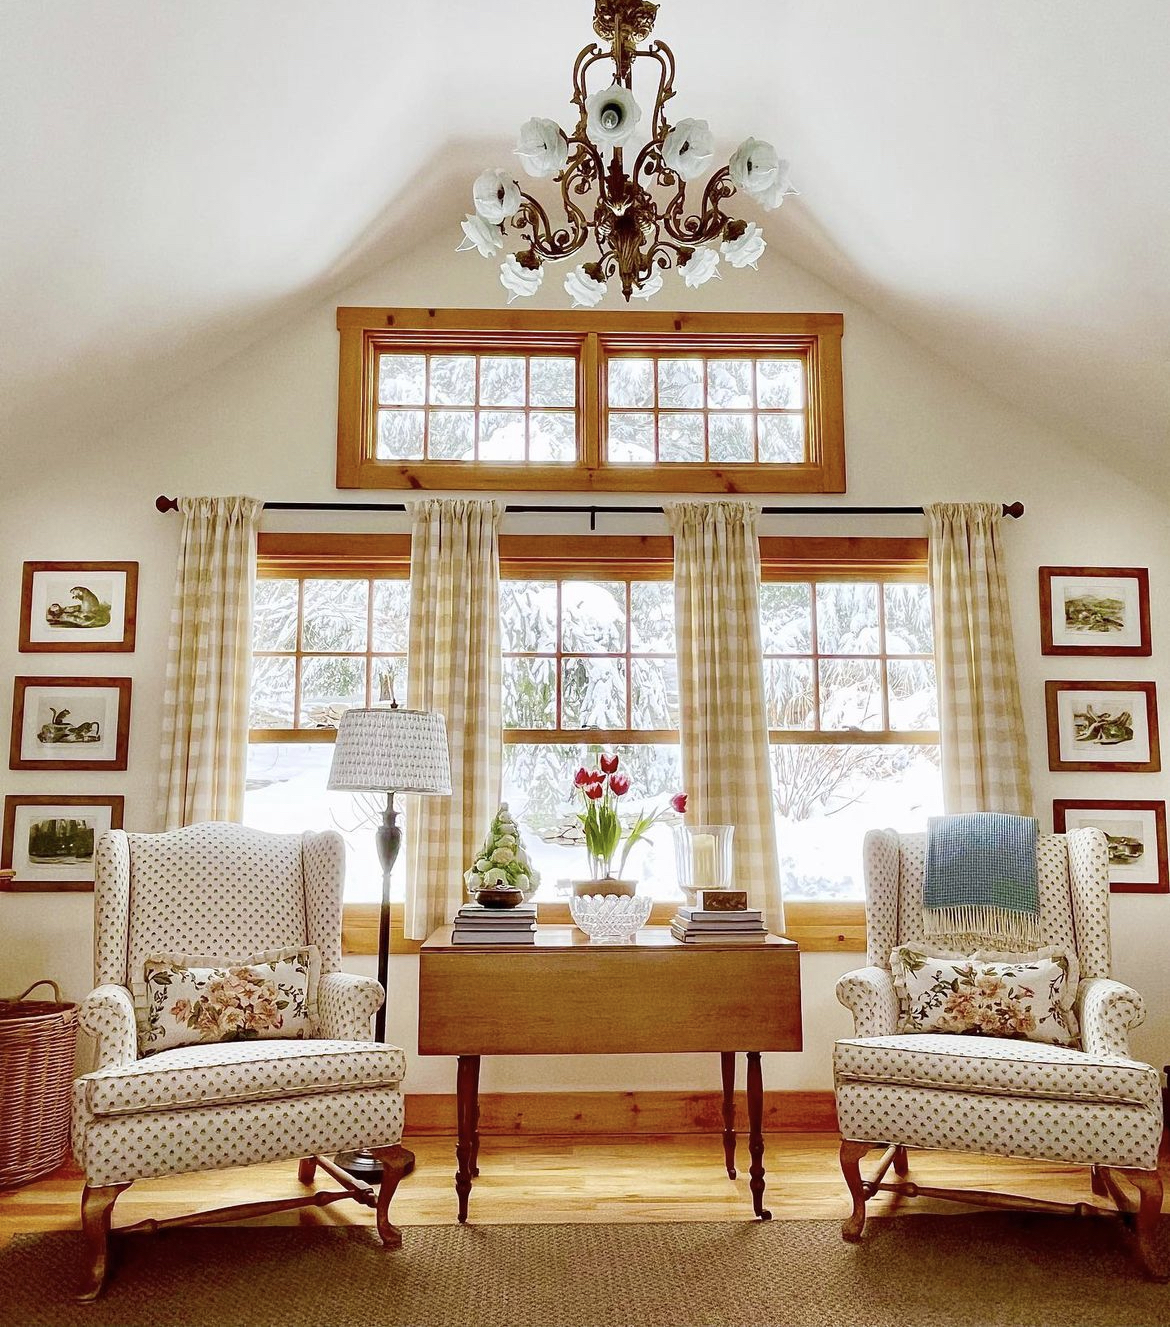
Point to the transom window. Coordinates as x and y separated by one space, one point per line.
712 410
474 399
465 408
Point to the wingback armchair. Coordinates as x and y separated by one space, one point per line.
1091 1105
222 890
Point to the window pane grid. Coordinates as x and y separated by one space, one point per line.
472 412
715 425
846 670
281 702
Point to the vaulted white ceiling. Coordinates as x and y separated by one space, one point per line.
992 176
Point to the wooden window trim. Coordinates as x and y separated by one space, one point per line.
590 336
837 927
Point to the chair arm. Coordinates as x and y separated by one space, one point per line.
345 1005
868 993
107 1014
1107 1010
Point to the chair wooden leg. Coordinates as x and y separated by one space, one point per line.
97 1207
851 1154
396 1162
1146 1221
901 1163
1099 1187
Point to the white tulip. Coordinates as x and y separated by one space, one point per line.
778 191
746 248
584 289
650 287
477 234
754 166
496 196
612 116
688 148
542 147
520 279
699 268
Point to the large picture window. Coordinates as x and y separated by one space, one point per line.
474 399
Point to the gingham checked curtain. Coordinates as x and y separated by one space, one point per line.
209 662
453 667
724 724
984 746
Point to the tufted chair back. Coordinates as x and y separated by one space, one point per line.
216 889
1073 874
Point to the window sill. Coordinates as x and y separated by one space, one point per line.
816 927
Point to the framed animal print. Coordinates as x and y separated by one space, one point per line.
49 841
1136 834
70 723
1103 726
78 607
1095 610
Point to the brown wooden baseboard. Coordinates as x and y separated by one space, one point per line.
619 1113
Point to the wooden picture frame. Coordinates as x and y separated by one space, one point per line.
1125 824
63 860
1095 611
1088 723
78 607
75 723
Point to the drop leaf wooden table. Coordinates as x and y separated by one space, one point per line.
565 996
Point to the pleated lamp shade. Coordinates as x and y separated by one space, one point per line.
391 750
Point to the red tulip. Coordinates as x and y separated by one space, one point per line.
595 791
619 785
609 764
581 778
679 802
596 776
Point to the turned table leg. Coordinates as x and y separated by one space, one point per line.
727 1069
755 1105
467 1146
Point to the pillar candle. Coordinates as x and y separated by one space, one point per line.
706 867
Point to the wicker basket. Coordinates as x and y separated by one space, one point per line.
38 1040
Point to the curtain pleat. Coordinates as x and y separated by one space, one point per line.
209 662
454 667
981 723
724 723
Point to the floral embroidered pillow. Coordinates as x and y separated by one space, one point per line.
1027 996
185 1000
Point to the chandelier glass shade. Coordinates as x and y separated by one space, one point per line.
638 216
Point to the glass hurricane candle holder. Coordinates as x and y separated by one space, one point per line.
702 858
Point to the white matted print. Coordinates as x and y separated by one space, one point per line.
78 606
1102 726
1095 610
70 723
49 842
1136 834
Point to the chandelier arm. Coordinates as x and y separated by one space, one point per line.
546 241
700 227
587 57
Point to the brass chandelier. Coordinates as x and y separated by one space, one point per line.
639 217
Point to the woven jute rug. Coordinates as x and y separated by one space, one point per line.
925 1271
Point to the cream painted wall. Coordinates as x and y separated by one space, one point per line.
264 424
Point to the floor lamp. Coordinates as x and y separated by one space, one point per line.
390 750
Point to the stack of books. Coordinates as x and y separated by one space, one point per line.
725 918
477 925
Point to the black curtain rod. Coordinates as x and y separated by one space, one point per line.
163 503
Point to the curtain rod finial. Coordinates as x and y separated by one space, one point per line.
163 503
1013 509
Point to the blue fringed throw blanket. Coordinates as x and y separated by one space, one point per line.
980 886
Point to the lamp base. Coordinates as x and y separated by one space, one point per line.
365 1166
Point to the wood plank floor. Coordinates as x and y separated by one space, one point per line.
548 1180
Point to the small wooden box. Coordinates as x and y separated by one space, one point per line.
721 900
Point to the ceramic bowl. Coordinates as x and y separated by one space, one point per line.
495 896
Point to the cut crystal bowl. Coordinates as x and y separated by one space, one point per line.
611 919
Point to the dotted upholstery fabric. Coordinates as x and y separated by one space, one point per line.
1091 1106
221 888
995 1065
239 1071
